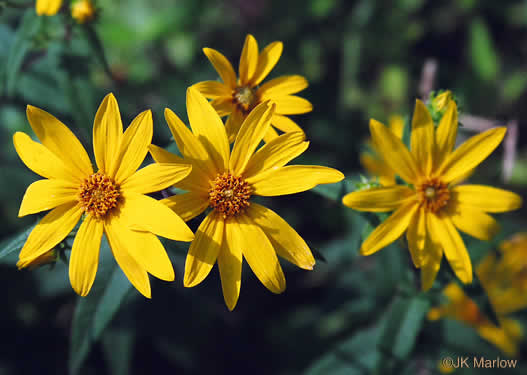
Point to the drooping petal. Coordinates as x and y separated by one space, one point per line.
223 106
52 229
208 128
390 229
107 133
486 198
230 266
204 250
249 137
381 199
44 195
188 205
84 258
60 141
134 147
222 66
282 86
276 153
473 221
293 179
432 263
416 236
422 138
471 153
285 124
292 105
214 89
233 124
446 133
155 177
285 240
394 152
267 61
259 253
248 60
48 7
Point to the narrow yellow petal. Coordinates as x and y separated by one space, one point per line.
249 137
378 168
429 269
292 105
422 139
416 236
222 66
259 253
233 124
285 124
223 106
188 205
396 125
270 135
214 89
107 133
382 199
446 133
230 266
44 195
284 239
52 229
267 61
293 179
134 147
390 229
48 7
486 198
248 60
473 221
276 153
84 258
282 86
471 153
58 139
155 177
208 128
204 250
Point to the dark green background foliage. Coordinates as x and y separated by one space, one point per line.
352 314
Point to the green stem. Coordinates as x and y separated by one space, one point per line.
98 49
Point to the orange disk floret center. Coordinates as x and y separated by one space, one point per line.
98 194
229 194
433 194
245 97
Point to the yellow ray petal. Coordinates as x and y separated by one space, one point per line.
52 229
382 199
259 253
394 152
293 179
84 258
270 135
431 265
42 161
119 242
292 105
282 86
378 168
285 124
223 106
222 66
443 233
134 147
276 153
390 229
233 124
188 205
249 137
473 221
230 266
214 90
416 236
155 177
248 60
107 133
267 61
284 239
48 7
204 250
396 125
422 139
471 153
486 198
60 141
44 195
446 133
208 128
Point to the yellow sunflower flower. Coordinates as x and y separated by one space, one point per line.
432 206
237 97
83 11
48 7
225 180
112 200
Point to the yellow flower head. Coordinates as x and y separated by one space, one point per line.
112 200
48 7
432 208
225 180
236 97
83 11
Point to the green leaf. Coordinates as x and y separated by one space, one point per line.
336 191
118 347
14 243
482 51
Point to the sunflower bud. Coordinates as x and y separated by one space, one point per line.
83 11
438 103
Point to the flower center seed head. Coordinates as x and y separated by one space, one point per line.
245 97
229 194
98 194
433 194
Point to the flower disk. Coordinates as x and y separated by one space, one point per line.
433 194
245 98
229 195
98 194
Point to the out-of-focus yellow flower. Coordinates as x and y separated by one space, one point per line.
48 7
236 97
83 11
373 162
432 208
224 181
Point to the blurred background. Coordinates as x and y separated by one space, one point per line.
351 315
